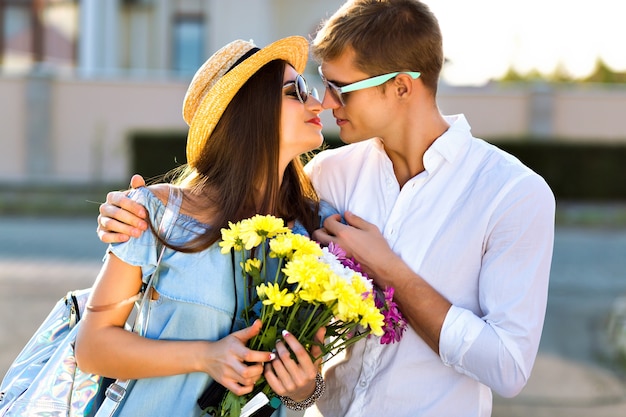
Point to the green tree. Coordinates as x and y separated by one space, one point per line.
601 74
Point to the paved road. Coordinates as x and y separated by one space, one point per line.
576 372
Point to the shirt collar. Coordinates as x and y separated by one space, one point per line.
446 147
453 140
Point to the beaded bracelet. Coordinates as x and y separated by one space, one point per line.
304 404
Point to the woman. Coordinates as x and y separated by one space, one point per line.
250 116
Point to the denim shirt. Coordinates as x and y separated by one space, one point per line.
196 302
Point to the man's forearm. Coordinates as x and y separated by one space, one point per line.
421 305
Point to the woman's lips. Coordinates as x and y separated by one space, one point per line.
316 121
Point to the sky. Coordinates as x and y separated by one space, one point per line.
482 39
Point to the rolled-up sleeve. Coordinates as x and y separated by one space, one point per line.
499 345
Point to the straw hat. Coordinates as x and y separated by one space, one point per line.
217 81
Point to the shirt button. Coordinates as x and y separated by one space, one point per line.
363 383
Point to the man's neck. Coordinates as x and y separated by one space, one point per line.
407 151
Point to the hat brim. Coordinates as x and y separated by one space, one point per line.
293 49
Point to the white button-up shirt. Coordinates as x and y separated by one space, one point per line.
479 227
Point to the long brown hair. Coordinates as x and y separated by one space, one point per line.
241 158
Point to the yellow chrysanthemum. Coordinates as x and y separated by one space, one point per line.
345 301
249 237
303 246
276 297
311 295
231 238
359 284
350 302
255 229
252 266
282 246
312 283
307 272
260 290
347 308
374 319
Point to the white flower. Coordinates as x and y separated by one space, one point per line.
347 274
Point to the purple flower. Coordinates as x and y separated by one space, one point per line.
395 324
337 251
343 258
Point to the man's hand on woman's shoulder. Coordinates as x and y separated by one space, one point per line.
120 217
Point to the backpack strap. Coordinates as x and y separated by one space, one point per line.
172 208
166 226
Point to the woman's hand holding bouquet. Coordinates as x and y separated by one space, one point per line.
299 289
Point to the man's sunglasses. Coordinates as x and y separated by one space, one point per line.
336 91
299 89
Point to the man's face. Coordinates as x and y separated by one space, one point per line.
365 113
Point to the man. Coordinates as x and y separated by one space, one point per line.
461 230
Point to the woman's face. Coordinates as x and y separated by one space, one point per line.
300 125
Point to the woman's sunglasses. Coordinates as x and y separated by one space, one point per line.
337 92
299 89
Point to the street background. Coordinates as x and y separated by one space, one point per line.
91 92
578 371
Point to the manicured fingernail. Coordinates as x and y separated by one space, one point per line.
286 333
272 356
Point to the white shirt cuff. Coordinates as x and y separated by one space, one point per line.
459 331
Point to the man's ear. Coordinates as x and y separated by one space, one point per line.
403 84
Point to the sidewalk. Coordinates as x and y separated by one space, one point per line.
561 388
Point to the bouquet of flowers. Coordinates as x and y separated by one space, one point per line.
294 284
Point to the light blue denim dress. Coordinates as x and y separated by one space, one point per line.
196 302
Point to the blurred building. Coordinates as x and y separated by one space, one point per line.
81 80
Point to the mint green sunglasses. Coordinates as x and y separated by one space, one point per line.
336 91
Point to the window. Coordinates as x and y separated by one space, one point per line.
37 31
188 43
